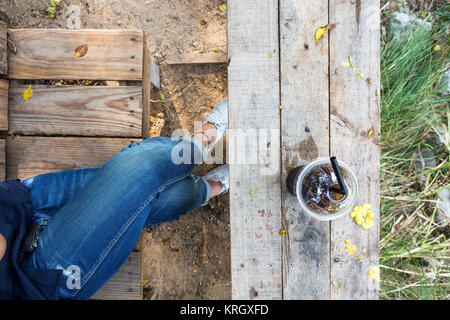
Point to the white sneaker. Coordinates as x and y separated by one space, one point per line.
219 174
219 118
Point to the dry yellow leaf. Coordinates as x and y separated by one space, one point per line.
351 248
321 31
374 273
81 51
27 93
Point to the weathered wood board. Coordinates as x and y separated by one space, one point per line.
30 156
76 110
2 160
305 130
125 284
146 88
253 154
3 49
328 109
50 54
354 113
4 105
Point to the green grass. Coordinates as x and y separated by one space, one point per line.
414 251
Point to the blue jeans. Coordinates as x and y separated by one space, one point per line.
93 217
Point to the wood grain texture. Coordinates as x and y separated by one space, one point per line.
125 284
4 105
146 88
3 49
50 54
354 112
30 156
253 97
305 130
2 160
76 110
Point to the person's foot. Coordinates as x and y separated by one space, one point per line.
215 126
219 180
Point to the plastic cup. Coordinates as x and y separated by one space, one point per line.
299 185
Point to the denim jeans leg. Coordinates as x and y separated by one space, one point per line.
179 198
97 228
50 191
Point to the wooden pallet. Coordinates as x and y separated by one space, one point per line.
327 109
79 126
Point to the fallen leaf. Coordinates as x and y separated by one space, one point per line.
144 282
334 282
203 22
437 47
283 232
370 133
162 97
350 62
349 247
253 191
321 31
51 10
369 80
27 93
361 75
223 7
55 3
377 93
374 273
280 107
149 19
81 51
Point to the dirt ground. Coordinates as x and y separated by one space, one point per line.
188 258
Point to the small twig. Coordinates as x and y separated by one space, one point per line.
384 7
175 96
431 4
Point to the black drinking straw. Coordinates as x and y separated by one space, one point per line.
342 188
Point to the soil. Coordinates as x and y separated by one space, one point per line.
188 258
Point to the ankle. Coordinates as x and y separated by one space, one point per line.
216 188
207 135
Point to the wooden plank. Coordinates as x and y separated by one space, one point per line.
4 105
305 130
76 110
30 156
253 96
2 160
50 54
355 111
125 284
146 88
3 49
201 58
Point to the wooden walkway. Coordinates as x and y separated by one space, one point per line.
71 127
330 106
